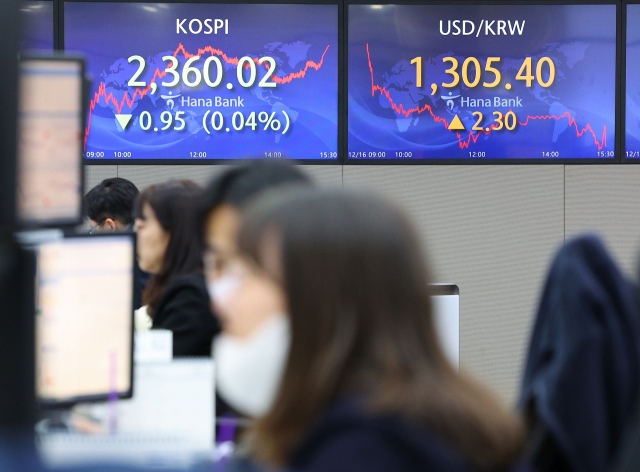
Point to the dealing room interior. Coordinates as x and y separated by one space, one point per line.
320 236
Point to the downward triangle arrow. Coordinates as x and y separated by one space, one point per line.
123 121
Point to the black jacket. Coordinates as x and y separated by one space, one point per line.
347 439
184 309
141 279
582 374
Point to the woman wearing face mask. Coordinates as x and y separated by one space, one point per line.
168 248
328 339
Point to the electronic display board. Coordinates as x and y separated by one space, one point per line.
632 119
208 81
482 82
37 25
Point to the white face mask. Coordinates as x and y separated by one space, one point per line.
249 371
220 289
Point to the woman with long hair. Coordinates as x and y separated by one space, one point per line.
360 381
168 247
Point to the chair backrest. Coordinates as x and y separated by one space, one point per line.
628 456
582 375
542 452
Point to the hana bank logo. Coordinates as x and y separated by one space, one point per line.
449 99
168 99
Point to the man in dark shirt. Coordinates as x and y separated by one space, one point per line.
109 207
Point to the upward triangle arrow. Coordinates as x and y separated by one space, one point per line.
456 124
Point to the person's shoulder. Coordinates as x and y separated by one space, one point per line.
187 287
348 439
193 281
346 450
193 278
357 448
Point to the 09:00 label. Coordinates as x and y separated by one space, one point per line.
100 154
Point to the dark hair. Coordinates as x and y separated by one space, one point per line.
111 198
361 323
238 185
173 204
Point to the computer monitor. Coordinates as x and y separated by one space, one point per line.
50 141
84 318
445 302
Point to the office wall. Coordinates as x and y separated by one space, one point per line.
606 199
490 229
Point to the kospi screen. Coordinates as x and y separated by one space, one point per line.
208 81
37 25
632 121
481 82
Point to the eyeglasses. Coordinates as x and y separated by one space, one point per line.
217 264
93 228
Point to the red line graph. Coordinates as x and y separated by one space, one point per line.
129 101
471 137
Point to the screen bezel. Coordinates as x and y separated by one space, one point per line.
341 137
50 403
437 289
618 149
58 222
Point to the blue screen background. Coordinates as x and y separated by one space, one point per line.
632 122
573 118
109 33
37 25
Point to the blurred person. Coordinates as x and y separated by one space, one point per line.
329 340
169 248
227 194
109 207
220 216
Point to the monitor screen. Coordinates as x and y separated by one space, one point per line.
632 120
445 303
37 25
480 82
84 318
50 124
208 81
